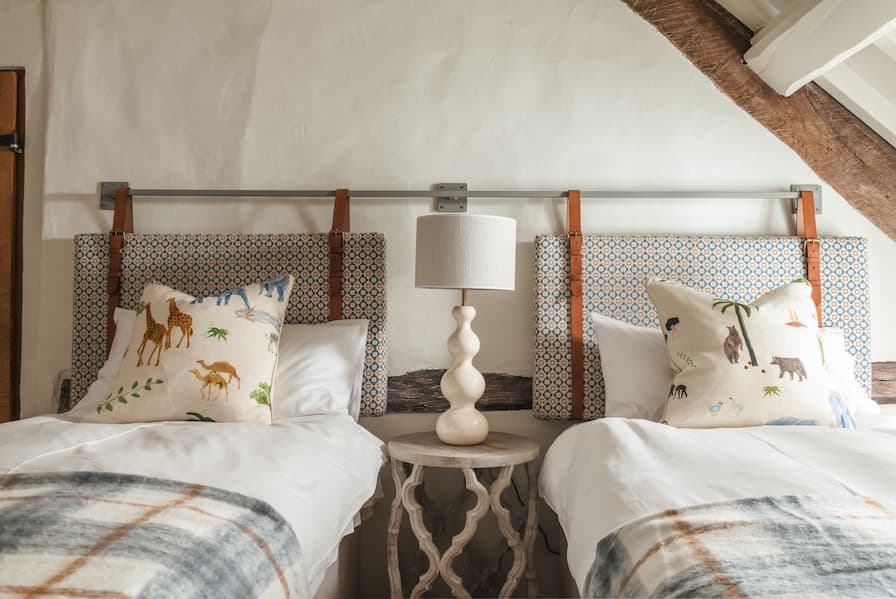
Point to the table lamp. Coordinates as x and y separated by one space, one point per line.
464 251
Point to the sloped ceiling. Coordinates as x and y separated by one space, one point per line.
850 155
865 82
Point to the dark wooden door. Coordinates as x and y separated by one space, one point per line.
12 170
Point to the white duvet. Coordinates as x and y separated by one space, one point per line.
317 471
599 475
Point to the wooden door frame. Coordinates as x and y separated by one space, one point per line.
15 377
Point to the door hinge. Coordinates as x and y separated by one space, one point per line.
11 141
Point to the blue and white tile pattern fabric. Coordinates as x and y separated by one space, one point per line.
616 267
204 265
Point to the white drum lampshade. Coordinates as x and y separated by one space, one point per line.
464 251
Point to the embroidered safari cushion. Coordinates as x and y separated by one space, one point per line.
199 358
738 364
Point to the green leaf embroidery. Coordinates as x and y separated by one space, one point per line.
196 416
121 396
262 395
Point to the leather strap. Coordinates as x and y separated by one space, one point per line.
574 235
341 224
122 222
805 228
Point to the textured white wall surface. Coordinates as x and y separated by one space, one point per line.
385 94
381 94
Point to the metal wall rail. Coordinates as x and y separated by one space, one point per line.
451 197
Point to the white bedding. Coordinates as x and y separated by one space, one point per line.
317 471
599 475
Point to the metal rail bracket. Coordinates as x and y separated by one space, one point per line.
451 203
815 189
107 193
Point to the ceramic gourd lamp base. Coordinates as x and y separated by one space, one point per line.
462 385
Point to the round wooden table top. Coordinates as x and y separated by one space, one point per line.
498 449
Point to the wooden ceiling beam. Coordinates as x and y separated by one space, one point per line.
812 36
842 150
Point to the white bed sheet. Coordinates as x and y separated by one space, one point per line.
601 474
317 471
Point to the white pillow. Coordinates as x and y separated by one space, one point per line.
96 393
621 345
842 366
320 369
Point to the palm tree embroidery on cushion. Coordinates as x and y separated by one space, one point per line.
217 333
739 310
178 319
222 367
155 332
771 391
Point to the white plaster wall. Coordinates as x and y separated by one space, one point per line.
382 94
396 94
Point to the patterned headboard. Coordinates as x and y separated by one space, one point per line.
203 265
616 267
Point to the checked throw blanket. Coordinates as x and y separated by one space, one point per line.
786 546
98 534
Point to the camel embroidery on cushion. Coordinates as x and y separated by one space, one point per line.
222 367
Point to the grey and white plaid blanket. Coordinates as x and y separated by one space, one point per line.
762 547
97 534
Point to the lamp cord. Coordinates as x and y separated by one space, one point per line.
544 536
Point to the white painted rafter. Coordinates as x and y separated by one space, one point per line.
810 37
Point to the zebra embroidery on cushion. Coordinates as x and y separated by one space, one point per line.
267 287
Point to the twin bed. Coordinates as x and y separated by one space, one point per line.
650 509
192 509
647 509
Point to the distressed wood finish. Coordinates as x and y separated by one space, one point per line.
531 527
520 555
883 382
415 515
461 539
838 146
398 476
12 118
419 391
499 450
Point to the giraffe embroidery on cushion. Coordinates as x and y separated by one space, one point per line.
267 287
178 319
222 367
155 332
211 380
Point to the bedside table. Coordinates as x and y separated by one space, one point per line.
499 450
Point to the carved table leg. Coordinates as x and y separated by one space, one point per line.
509 532
424 538
531 525
399 476
463 537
